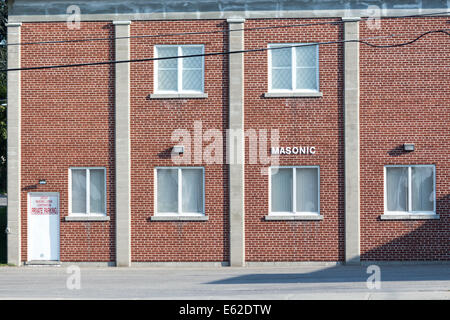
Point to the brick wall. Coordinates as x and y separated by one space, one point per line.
67 120
301 122
405 97
152 123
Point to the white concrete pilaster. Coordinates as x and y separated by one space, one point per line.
351 120
235 149
13 148
122 147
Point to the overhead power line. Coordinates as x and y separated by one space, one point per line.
219 31
364 41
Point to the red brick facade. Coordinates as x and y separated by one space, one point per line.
67 120
300 121
152 124
405 98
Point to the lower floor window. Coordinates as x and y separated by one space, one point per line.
410 189
294 190
179 191
88 191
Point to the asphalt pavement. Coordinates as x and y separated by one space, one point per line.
205 283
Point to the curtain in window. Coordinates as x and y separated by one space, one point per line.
78 191
306 68
282 190
422 188
167 193
167 69
307 189
397 189
192 69
192 191
281 68
97 190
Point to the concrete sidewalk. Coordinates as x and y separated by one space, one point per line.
304 282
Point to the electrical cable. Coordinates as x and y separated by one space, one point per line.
364 41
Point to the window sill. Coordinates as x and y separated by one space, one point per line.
179 218
409 217
87 218
178 96
293 217
293 94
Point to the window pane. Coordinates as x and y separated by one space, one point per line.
192 62
192 80
307 190
167 52
282 190
397 189
306 78
167 182
306 56
422 188
78 191
192 191
281 57
168 80
97 191
282 79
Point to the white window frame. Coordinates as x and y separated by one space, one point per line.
180 196
293 68
294 192
88 190
409 212
179 69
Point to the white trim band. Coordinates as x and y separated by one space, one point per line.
122 23
410 217
293 95
179 218
178 96
87 218
306 217
249 14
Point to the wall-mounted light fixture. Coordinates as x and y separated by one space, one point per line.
178 149
42 181
408 146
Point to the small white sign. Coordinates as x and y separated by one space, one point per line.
44 205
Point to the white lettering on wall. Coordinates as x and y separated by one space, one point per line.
293 150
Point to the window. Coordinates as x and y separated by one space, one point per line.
410 189
179 191
294 69
179 75
294 190
87 191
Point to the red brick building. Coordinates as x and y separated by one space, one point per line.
308 147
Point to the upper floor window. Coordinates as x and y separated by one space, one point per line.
87 191
410 189
179 75
294 69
